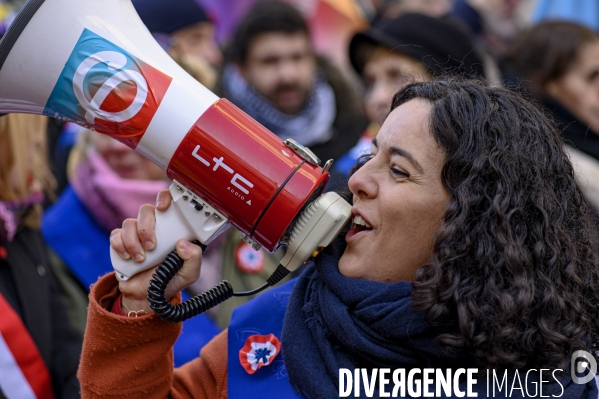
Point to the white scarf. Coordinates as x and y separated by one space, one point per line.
311 126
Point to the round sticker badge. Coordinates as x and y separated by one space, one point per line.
249 260
258 351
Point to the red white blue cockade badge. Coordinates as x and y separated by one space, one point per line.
258 351
248 259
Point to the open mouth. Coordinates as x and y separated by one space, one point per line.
359 224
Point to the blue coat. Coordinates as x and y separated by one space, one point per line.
261 316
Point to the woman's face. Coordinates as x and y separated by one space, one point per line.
34 135
124 161
399 193
198 40
578 89
384 74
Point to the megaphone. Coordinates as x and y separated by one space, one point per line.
94 63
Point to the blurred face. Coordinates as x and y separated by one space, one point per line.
578 89
282 68
502 8
124 161
25 146
384 74
434 8
37 151
198 41
399 196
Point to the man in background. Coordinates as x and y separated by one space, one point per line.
273 74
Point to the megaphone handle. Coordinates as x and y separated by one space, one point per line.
188 217
169 228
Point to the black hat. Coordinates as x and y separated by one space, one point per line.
168 16
443 45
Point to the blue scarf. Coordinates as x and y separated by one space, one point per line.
312 126
335 322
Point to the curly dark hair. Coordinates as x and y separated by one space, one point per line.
515 261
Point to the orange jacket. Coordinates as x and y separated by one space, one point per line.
133 357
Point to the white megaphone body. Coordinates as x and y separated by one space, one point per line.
94 63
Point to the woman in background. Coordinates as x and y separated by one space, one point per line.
395 52
39 351
557 62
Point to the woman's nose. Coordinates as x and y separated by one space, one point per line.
363 182
212 54
379 101
117 146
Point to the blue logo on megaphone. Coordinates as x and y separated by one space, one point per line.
106 88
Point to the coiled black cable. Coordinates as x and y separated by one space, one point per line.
199 303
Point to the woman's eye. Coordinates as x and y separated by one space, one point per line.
399 172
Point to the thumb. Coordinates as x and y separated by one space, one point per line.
191 255
189 252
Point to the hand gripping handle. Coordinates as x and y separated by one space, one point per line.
188 217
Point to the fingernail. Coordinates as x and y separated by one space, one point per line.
159 202
126 256
139 258
149 245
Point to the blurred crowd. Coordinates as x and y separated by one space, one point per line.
321 72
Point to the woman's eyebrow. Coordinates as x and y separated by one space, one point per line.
408 156
403 153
